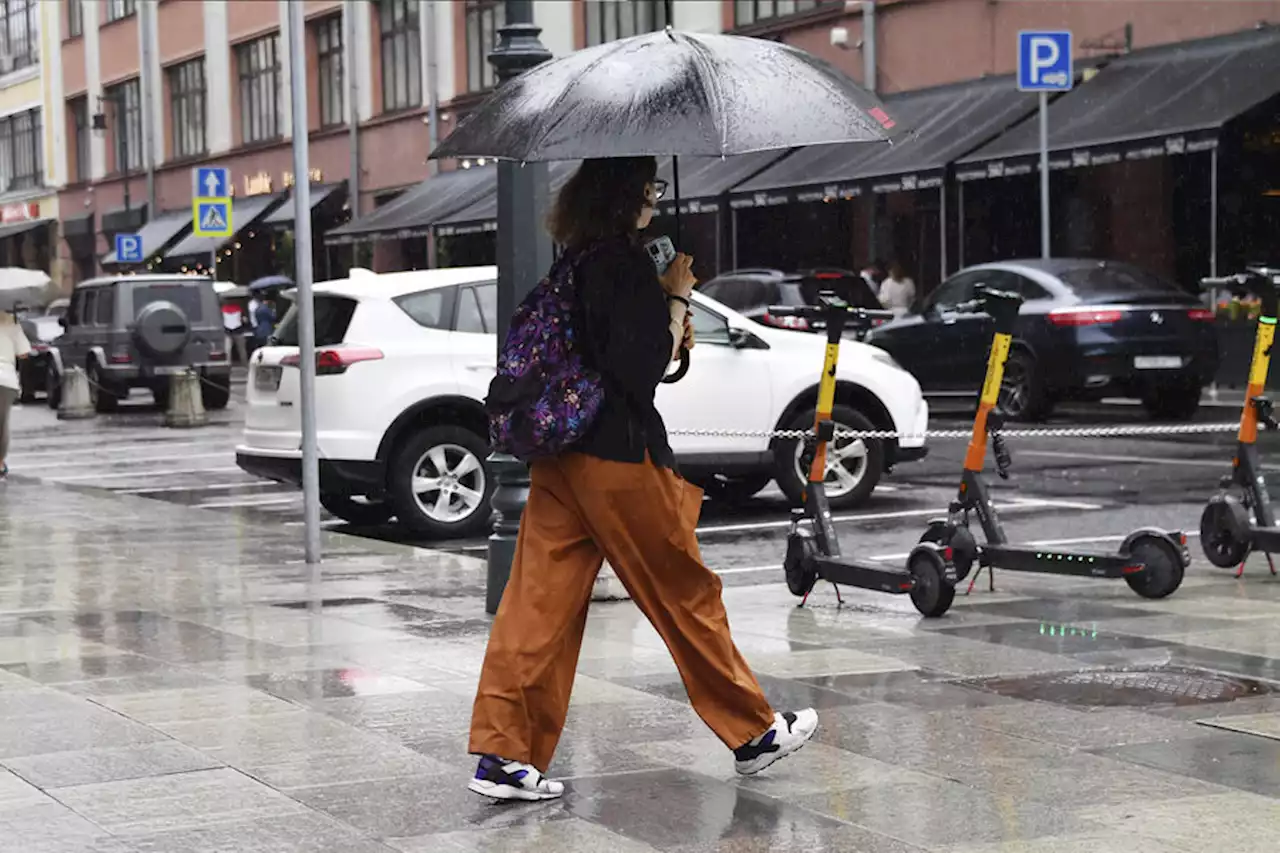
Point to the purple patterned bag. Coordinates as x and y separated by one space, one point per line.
544 398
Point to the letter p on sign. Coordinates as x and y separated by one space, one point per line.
1044 61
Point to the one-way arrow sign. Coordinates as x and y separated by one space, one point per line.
211 182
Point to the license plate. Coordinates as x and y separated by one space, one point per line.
1157 362
266 378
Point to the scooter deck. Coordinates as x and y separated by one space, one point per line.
863 575
1048 562
1266 539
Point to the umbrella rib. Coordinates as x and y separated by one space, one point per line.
711 90
546 127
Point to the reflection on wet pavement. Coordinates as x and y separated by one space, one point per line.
176 680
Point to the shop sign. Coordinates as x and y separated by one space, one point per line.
19 212
259 184
316 176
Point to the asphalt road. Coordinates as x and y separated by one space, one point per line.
1088 492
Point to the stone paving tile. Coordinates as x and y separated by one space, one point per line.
1259 725
35 701
311 686
1238 822
50 827
783 693
49 648
967 658
1234 760
562 836
176 801
17 792
301 833
823 662
108 764
161 708
1092 842
90 668
921 690
170 678
1076 728
78 729
1058 639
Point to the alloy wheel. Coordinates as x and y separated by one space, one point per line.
1015 389
448 483
846 463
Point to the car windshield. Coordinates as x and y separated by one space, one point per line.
1117 278
333 316
185 294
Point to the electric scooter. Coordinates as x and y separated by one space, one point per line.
813 549
1150 560
1227 533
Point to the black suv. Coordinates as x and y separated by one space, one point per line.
136 331
750 292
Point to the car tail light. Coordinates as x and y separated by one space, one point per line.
1084 316
785 322
39 348
828 276
119 358
1204 315
217 355
336 359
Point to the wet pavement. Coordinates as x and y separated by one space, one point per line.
176 679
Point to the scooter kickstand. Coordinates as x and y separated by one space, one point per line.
1271 563
1240 571
840 598
973 580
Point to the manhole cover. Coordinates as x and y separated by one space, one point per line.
1140 687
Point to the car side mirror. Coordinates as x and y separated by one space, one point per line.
742 339
62 321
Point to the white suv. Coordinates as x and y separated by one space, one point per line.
404 362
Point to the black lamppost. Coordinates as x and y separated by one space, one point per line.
100 124
524 254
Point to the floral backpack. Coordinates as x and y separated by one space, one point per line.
544 397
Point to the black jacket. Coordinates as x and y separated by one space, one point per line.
625 327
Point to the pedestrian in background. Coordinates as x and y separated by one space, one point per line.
897 291
873 274
615 495
264 322
13 346
233 323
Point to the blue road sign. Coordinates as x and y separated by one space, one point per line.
1044 61
211 218
128 248
211 182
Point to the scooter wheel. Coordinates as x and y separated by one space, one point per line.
964 548
1164 569
798 566
930 592
1220 526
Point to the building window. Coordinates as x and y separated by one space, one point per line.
125 122
75 18
484 19
79 109
117 9
401 54
19 34
747 12
21 151
617 19
328 35
259 68
186 95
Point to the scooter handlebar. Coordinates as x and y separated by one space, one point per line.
1257 281
985 296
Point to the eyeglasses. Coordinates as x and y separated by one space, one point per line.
659 188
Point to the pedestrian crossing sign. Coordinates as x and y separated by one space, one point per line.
212 218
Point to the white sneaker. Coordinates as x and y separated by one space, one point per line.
789 732
512 780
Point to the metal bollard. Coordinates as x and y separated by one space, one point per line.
607 586
186 404
76 404
508 502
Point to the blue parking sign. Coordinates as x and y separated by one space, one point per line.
1044 61
129 248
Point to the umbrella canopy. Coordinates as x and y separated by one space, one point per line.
23 288
671 93
269 281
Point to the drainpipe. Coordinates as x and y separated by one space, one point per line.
146 20
427 34
869 44
352 70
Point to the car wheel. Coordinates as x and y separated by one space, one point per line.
439 485
161 393
854 466
732 490
52 386
104 399
1178 401
360 512
1023 396
215 394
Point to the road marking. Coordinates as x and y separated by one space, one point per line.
208 487
1013 504
1154 460
97 450
124 475
249 504
35 471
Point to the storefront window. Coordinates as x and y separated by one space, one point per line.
19 34
186 95
21 160
484 19
616 19
126 125
258 63
79 109
747 12
401 54
328 35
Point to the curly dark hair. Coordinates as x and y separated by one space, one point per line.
603 199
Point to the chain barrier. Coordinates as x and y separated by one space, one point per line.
1045 432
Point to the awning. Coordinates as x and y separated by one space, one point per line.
482 215
948 121
156 234
705 180
1172 99
13 229
245 213
282 216
413 214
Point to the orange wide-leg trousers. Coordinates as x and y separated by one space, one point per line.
642 518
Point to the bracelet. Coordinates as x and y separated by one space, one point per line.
680 299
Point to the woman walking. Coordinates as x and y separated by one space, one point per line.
13 346
615 496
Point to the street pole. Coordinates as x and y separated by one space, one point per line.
1044 174
302 278
524 254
